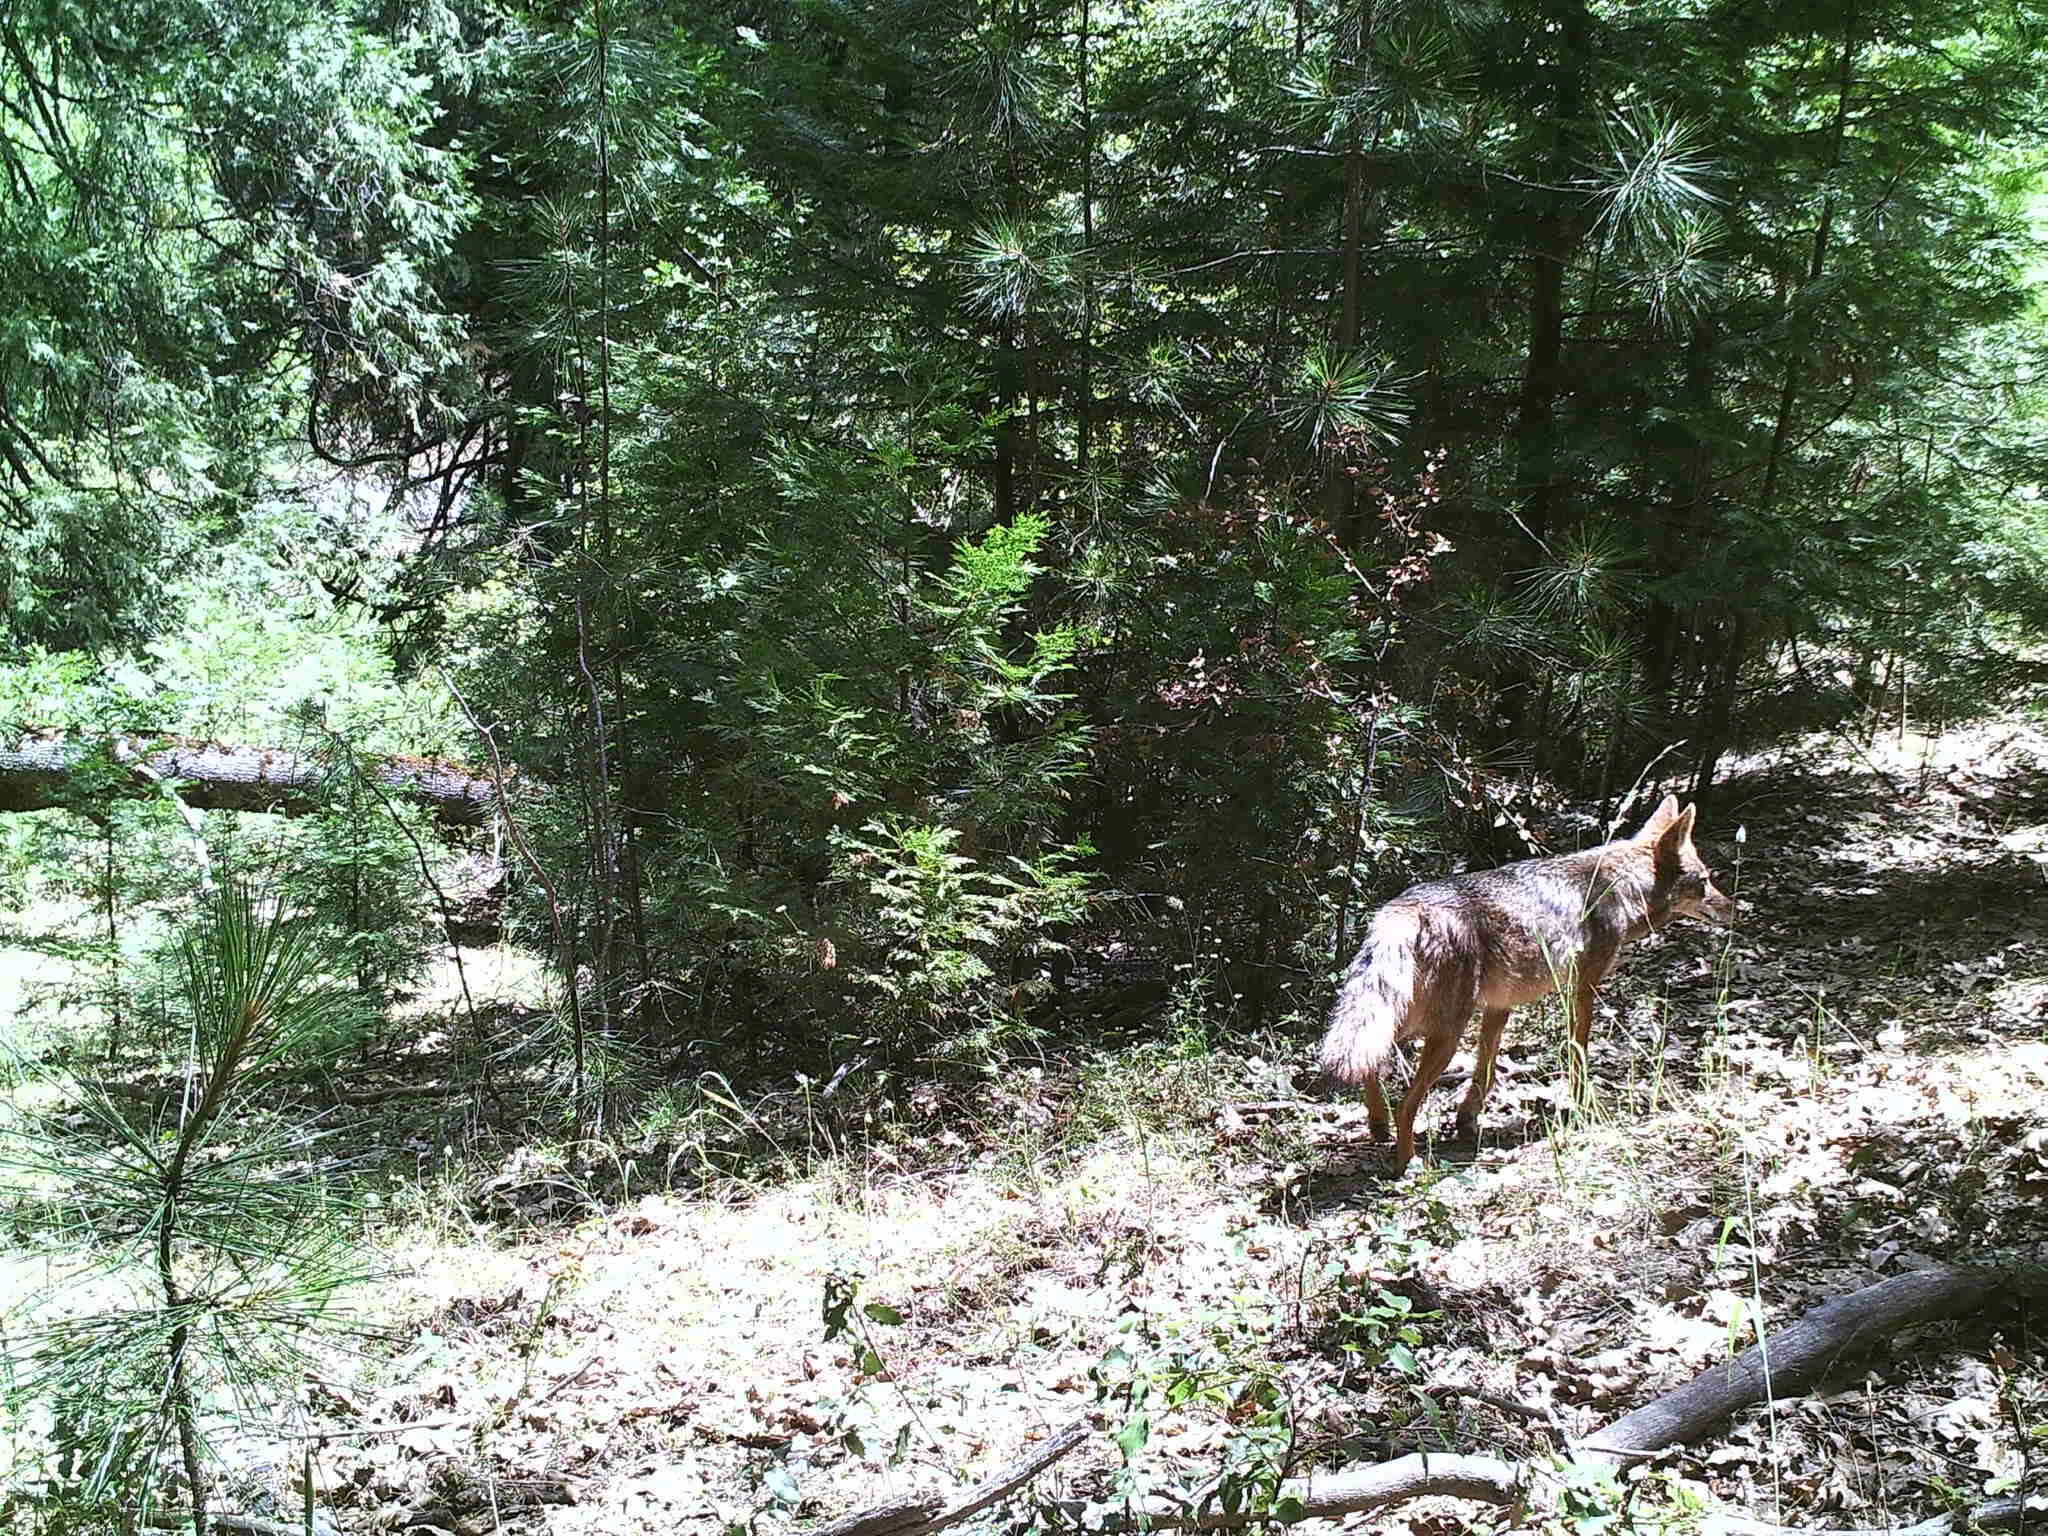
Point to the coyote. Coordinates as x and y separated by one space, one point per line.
1499 938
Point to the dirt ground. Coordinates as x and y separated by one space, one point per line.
1200 1256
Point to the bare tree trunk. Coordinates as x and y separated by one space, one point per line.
115 1010
1559 227
1717 706
1084 415
1340 489
1689 514
1543 376
1007 368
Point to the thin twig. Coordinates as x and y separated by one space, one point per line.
572 1378
921 1516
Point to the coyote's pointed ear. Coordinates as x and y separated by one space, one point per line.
1667 847
1660 818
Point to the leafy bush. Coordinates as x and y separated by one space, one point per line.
937 928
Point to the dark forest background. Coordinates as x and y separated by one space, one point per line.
925 502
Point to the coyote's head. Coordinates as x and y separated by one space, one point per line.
1683 885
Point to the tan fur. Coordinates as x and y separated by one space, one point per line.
1499 938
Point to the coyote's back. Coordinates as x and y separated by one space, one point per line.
1499 938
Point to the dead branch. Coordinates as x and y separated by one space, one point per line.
1783 1365
370 1096
1359 1490
1013 1477
235 1525
1793 1358
1535 1413
1996 1515
370 1431
896 1518
917 1516
1281 1106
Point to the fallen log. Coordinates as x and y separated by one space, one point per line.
39 772
1360 1490
1785 1364
1794 1357
231 1523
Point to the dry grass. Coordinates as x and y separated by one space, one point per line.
1854 1081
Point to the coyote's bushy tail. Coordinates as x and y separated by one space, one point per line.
1371 1005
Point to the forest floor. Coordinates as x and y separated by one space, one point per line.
1198 1252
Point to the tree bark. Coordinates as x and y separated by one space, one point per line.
1795 1357
1084 413
39 772
1560 226
1717 706
1689 517
1543 376
1341 490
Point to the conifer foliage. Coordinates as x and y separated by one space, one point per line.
918 488
209 1232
